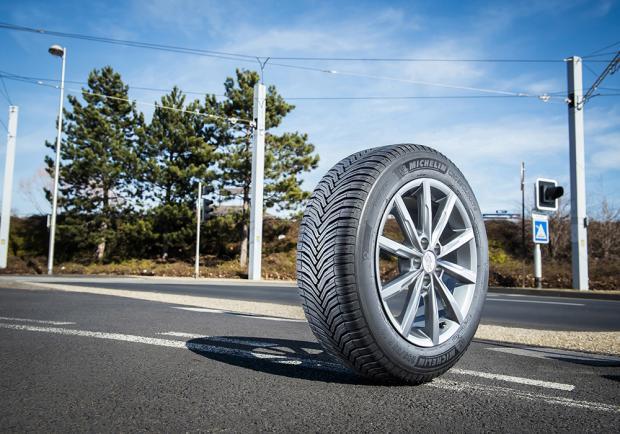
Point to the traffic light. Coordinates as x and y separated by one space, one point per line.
207 209
547 193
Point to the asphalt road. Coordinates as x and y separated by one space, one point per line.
550 313
82 362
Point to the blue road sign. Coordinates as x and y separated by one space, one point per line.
540 228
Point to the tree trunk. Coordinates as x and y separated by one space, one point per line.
243 256
101 246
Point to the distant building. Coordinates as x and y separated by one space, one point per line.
501 214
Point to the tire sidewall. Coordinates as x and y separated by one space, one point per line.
402 353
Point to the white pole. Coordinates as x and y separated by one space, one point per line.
198 204
537 266
7 188
258 170
50 255
578 217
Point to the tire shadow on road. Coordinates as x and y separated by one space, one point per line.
284 357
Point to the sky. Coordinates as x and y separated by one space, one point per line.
486 137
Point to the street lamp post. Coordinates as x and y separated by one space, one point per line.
58 51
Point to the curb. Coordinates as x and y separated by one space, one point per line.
569 293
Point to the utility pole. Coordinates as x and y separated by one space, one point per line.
258 170
523 223
7 188
578 217
198 221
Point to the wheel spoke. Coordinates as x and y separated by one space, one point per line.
398 284
431 315
443 219
461 273
427 210
413 302
464 237
404 218
449 302
397 249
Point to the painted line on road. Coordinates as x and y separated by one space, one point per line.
37 321
550 353
536 302
182 335
511 379
249 342
199 347
494 391
239 314
457 386
199 309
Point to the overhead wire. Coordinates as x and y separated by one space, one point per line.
511 95
599 51
419 82
5 92
252 58
129 43
590 70
145 88
413 59
232 120
41 81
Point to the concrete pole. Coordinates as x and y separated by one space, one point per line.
258 171
198 221
578 217
50 254
537 266
7 188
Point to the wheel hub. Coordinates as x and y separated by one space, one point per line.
429 262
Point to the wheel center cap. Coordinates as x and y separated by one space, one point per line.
429 261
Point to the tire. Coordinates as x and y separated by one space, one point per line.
373 282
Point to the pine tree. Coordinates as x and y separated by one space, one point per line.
177 155
287 155
99 162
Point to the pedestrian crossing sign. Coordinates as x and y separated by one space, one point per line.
540 228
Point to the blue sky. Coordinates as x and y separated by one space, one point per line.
487 138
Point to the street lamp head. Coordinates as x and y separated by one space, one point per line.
56 50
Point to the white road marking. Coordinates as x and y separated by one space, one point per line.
269 318
554 354
199 309
239 314
313 363
204 348
38 321
537 302
182 335
463 386
511 379
249 342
